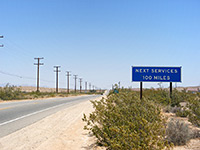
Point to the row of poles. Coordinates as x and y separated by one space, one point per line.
57 70
38 64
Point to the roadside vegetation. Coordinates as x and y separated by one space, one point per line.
123 121
10 92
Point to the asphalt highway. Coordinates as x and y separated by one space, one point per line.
19 114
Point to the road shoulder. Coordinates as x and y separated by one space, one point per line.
61 131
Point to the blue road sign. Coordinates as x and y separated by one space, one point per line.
156 74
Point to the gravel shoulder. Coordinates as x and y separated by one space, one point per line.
60 131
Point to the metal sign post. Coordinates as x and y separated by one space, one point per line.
140 90
170 90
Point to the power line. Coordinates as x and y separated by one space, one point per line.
25 77
15 46
10 74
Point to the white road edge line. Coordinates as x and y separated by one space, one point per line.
31 114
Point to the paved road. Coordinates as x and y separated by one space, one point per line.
16 115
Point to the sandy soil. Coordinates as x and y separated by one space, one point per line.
194 144
60 131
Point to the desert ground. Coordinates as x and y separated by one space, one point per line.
62 131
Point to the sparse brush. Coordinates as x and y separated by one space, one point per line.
10 93
178 132
196 134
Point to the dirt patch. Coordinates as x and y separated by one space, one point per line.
194 144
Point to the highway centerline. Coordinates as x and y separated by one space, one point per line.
5 108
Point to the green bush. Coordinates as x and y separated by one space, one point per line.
124 122
194 106
10 93
183 112
160 96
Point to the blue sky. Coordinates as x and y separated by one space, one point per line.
99 40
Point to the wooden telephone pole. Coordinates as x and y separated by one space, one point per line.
80 80
57 70
85 86
75 78
38 71
68 75
89 86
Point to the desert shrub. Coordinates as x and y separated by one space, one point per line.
182 112
160 96
194 107
178 97
170 109
167 109
123 121
175 109
194 116
10 92
178 132
196 134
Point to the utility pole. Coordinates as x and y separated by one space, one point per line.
75 78
68 75
2 44
80 84
38 71
57 70
85 86
119 84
